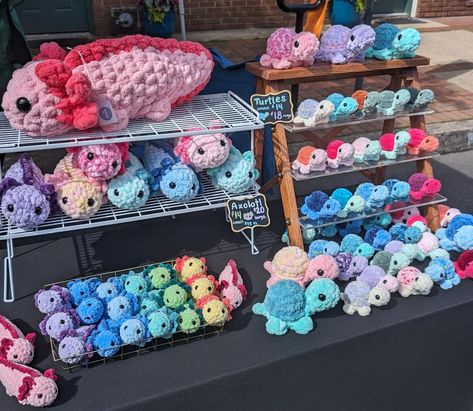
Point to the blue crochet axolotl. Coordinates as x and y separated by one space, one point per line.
135 331
374 195
136 283
91 310
398 190
163 323
287 306
318 247
105 341
131 189
149 302
81 289
179 182
110 288
442 271
458 236
237 174
123 305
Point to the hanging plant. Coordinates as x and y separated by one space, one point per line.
157 9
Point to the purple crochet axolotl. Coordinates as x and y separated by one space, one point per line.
26 199
58 324
52 300
340 44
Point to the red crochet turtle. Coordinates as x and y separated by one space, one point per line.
423 186
420 141
464 265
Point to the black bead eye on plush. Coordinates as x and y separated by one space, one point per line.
193 187
399 37
122 307
163 325
38 210
10 208
377 297
321 106
352 37
345 104
209 309
114 164
320 272
313 156
340 150
172 185
116 192
223 143
90 156
322 297
64 200
23 104
181 320
296 44
90 202
141 194
201 151
51 300
250 175
228 174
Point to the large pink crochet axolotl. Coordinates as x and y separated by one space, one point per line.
340 153
28 385
14 345
286 48
289 263
423 186
322 266
100 161
139 76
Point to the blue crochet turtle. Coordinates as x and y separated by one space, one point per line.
442 271
342 195
377 237
313 203
393 43
287 306
329 210
305 111
458 236
398 190
406 234
375 196
420 99
371 101
318 247
345 108
355 205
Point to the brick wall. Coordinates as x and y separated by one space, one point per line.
444 8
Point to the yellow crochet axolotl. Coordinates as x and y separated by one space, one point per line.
214 310
189 266
202 285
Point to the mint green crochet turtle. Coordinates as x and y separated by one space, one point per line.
394 43
390 102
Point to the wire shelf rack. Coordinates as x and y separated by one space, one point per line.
354 119
436 199
124 350
362 166
211 113
108 214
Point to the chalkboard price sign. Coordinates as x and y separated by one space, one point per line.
248 212
273 107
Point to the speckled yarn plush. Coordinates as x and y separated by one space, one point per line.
141 77
288 263
27 199
100 161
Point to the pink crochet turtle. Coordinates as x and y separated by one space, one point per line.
340 153
28 385
464 265
286 48
322 266
416 219
14 345
413 282
421 142
393 145
423 186
401 216
289 263
310 159
100 161
130 77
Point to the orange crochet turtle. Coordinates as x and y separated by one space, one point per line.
420 141
360 97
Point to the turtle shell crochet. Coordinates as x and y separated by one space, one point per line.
387 141
290 262
360 97
285 300
332 148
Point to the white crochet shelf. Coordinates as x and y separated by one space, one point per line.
211 113
354 119
363 166
437 199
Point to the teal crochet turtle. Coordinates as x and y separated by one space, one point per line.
390 102
420 99
393 145
371 101
287 306
394 43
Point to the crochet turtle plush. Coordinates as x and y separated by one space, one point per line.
371 101
340 153
340 44
420 99
360 97
442 271
393 43
421 142
390 102
287 306
393 145
310 159
359 296
311 112
289 263
366 150
344 109
413 282
313 203
305 111
464 265
458 235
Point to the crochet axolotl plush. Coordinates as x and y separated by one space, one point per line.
100 161
53 299
190 319
74 347
131 189
105 341
215 311
187 266
179 182
110 288
58 324
80 289
340 153
394 43
27 199
231 286
288 263
163 323
123 305
29 386
161 275
203 151
237 174
366 150
340 44
78 195
285 49
14 345
139 76
136 283
91 310
287 306
310 159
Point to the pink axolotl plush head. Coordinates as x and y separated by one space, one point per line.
231 285
322 266
14 345
79 196
305 46
100 161
203 151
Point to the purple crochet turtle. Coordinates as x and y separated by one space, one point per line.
343 261
27 200
340 45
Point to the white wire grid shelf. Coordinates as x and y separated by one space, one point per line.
354 119
108 214
436 199
362 166
211 113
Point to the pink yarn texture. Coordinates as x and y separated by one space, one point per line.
14 345
140 76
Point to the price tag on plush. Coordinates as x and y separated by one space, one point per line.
248 212
273 107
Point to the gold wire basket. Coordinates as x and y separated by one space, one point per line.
126 350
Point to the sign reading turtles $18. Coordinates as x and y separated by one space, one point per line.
248 212
273 107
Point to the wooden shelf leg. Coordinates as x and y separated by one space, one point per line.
259 134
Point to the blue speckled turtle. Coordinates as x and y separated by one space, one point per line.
287 306
390 102
442 271
398 190
393 43
420 99
359 296
458 236
305 111
313 203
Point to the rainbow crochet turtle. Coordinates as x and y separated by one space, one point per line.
393 43
390 102
287 306
289 263
366 150
420 99
421 142
393 145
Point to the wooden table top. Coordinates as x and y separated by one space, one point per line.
327 71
